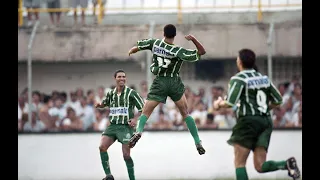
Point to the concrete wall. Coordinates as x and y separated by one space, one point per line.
163 155
114 42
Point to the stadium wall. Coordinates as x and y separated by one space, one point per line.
113 42
158 155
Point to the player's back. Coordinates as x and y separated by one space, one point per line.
167 58
257 93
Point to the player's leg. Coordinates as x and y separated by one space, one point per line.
243 138
157 94
176 93
107 139
146 112
183 108
260 156
123 135
240 159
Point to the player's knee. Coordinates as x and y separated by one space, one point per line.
103 148
258 167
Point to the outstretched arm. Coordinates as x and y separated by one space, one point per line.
133 50
145 44
199 46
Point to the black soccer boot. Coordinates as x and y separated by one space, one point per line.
200 148
108 177
293 170
134 139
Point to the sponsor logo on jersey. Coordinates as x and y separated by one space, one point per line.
161 51
119 111
258 82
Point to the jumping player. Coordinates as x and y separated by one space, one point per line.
257 96
121 100
167 60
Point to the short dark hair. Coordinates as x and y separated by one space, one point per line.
118 71
248 58
169 31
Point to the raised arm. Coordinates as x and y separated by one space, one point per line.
199 46
145 44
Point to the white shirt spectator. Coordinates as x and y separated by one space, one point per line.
76 106
38 127
21 111
103 124
201 115
88 116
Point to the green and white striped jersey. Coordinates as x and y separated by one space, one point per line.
122 105
254 91
167 58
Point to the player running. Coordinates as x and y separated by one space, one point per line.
121 100
257 96
167 61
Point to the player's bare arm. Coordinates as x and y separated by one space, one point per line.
220 103
133 50
199 46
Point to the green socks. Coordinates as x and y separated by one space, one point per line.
269 166
241 173
192 128
130 165
141 122
105 162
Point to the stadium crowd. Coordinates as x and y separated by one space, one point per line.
32 17
75 111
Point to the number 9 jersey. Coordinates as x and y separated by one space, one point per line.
167 58
254 92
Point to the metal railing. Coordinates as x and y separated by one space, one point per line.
175 6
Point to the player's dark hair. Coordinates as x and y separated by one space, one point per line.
169 31
118 71
255 67
248 58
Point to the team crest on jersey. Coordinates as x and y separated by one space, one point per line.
128 135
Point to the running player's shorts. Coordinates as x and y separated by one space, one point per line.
162 87
120 132
252 131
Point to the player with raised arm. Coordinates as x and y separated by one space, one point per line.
257 96
166 63
121 100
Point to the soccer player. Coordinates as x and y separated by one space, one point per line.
257 96
167 61
121 100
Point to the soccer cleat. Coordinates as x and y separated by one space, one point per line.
134 139
200 148
293 170
108 177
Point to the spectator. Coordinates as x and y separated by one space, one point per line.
200 114
80 93
83 4
95 4
102 120
144 89
87 115
32 4
100 96
91 97
162 123
74 103
35 125
54 4
44 116
71 122
22 109
58 110
36 95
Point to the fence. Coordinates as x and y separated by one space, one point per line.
171 6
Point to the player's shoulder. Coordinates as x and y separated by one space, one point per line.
131 91
239 77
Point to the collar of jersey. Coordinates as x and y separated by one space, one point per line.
115 89
249 70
